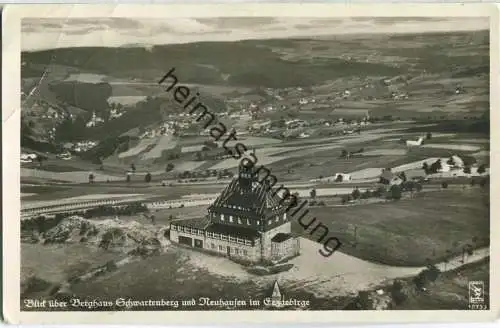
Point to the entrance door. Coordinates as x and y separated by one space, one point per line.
228 251
198 243
186 241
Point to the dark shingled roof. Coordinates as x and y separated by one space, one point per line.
416 173
281 237
387 175
257 199
198 223
233 231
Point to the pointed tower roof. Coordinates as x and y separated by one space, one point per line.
254 200
246 195
276 290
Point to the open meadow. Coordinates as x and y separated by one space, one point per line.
412 232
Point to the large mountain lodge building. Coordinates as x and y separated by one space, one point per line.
246 222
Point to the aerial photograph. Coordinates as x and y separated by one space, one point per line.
255 163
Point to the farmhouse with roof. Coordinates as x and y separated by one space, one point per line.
246 222
389 178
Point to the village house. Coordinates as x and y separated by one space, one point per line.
389 178
456 162
340 177
415 175
247 222
94 121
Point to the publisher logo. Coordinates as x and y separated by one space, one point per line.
476 295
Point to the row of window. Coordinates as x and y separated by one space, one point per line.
231 250
237 207
239 220
213 235
192 231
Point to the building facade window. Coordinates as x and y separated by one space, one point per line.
258 222
277 218
269 222
236 251
231 218
239 221
245 252
222 217
221 248
248 222
213 246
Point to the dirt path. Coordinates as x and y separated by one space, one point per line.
338 275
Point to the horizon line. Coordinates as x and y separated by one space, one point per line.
311 37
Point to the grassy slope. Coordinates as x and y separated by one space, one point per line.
169 277
272 63
409 232
450 291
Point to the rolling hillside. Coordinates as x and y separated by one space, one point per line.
419 65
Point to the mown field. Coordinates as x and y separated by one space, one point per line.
153 191
428 228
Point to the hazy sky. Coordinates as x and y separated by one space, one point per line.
40 34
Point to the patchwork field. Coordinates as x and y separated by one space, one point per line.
165 142
139 148
72 177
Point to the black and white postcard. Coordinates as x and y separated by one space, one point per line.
235 163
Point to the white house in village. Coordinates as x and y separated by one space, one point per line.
342 177
94 121
413 143
445 167
28 158
457 162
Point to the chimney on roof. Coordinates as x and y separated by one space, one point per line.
246 174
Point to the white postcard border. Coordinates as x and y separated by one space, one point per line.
11 33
